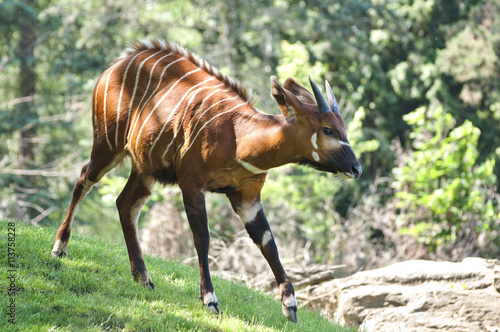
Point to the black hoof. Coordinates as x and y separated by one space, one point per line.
289 308
213 308
59 254
210 301
144 279
290 313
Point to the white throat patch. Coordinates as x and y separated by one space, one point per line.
251 168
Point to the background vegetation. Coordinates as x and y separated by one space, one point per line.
418 83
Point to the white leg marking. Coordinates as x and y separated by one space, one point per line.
151 96
314 140
158 103
59 247
249 211
210 300
104 106
118 108
266 237
206 123
315 156
251 168
290 302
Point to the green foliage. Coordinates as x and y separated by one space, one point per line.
296 63
92 290
441 186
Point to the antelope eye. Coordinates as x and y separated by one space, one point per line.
327 131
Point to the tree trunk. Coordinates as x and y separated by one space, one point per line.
27 81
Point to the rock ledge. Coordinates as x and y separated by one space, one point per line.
417 296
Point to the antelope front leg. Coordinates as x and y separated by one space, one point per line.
252 214
194 203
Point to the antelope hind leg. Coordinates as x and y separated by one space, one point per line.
129 204
91 173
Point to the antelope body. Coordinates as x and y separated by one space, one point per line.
183 122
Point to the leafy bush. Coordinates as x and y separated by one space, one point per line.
444 193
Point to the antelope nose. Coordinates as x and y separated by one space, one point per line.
356 171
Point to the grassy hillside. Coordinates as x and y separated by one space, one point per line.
92 290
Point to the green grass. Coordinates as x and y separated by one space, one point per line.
92 290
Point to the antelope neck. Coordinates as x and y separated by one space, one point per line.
269 141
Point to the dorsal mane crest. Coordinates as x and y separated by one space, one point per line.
173 47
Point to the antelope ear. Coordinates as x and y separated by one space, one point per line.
279 95
299 91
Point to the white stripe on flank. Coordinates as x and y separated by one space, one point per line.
188 141
121 93
185 112
96 127
157 104
251 168
195 94
104 106
151 96
203 102
211 78
206 123
135 88
200 107
146 91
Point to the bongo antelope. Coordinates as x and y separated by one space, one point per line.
182 121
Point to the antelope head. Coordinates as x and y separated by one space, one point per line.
319 131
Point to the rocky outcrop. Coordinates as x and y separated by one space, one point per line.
416 296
